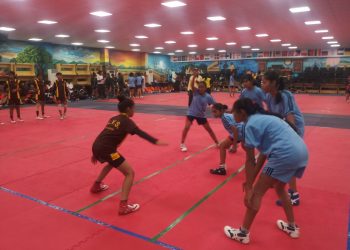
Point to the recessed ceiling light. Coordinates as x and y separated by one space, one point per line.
152 25
7 29
171 54
243 28
222 51
321 31
231 43
47 22
100 13
192 52
34 39
110 47
245 47
192 45
158 48
212 38
312 22
210 49
335 45
255 49
187 32
62 36
134 44
293 47
262 35
332 42
286 44
77 43
141 37
156 52
179 51
173 4
275 40
299 9
216 18
135 50
102 31
327 37
170 42
102 41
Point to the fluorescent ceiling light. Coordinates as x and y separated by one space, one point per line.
77 43
192 45
134 44
312 22
286 44
141 37
110 47
255 49
62 36
171 54
34 39
245 47
216 18
231 43
102 31
243 28
170 42
158 48
335 45
293 47
192 52
135 50
332 42
102 41
173 4
47 22
327 37
212 38
100 13
7 29
321 31
179 51
299 9
152 25
210 49
187 32
222 51
262 35
156 52
275 40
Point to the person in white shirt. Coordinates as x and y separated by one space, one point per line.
100 84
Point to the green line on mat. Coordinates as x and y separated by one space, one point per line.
179 219
147 177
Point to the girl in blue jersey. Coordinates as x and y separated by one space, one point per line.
138 81
282 102
234 130
196 111
132 84
286 156
252 92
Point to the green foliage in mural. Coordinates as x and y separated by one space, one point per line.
33 54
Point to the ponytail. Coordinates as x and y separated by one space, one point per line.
274 76
221 107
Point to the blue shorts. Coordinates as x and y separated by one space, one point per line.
200 120
283 174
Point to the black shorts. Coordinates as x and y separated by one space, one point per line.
131 88
40 99
200 120
114 159
14 101
61 100
139 87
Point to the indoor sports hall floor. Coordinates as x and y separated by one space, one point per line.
45 176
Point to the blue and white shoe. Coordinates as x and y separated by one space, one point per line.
294 198
293 232
237 235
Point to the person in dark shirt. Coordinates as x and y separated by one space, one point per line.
40 89
13 96
60 93
104 149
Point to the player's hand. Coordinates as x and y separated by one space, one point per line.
161 143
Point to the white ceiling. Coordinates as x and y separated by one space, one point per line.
129 16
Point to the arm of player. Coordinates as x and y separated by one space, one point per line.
148 137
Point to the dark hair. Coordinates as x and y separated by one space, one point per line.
247 77
221 107
131 74
124 103
58 74
12 73
251 108
274 76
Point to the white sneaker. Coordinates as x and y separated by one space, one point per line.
47 116
39 118
293 232
13 121
62 117
20 120
183 148
237 235
2 123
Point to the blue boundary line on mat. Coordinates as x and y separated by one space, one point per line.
84 217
